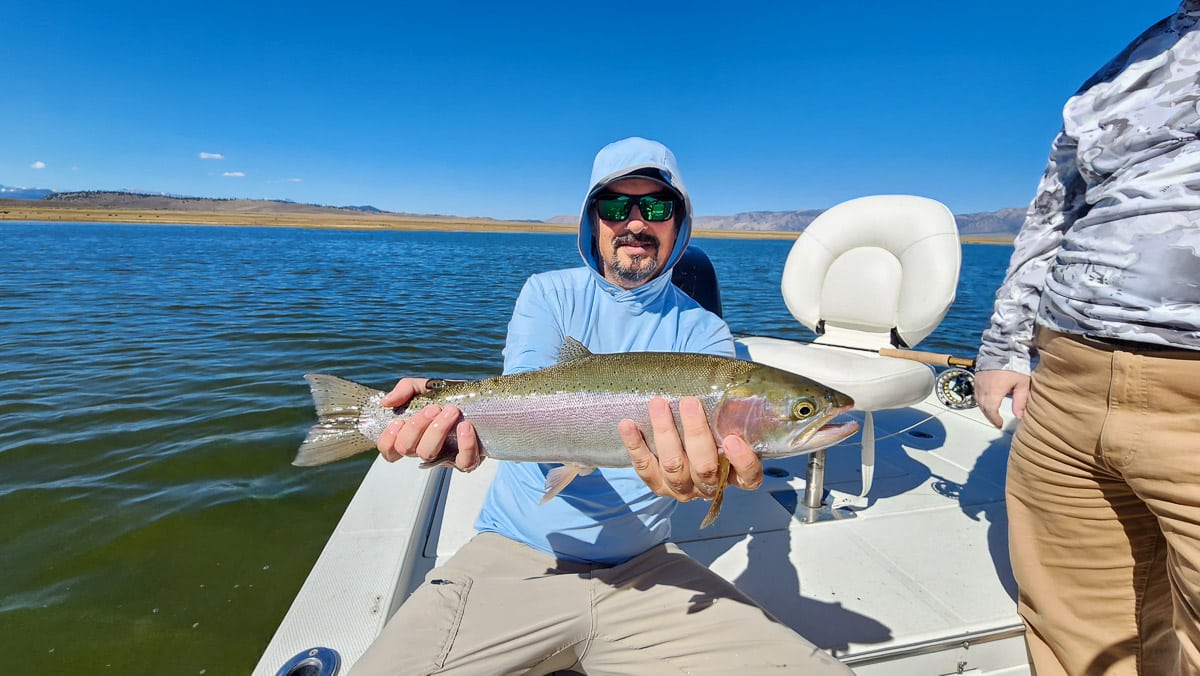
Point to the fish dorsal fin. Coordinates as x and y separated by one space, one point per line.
571 350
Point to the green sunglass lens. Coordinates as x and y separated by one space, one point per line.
655 209
614 208
617 207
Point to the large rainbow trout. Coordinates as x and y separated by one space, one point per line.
568 413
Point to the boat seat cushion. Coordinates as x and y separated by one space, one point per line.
874 382
879 264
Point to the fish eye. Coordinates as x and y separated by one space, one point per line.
804 408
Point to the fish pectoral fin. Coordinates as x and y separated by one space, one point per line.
558 478
722 482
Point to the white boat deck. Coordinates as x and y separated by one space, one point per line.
918 582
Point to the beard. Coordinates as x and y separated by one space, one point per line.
641 267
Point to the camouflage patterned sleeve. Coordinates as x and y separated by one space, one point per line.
1007 343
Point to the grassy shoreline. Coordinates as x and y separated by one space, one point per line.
340 221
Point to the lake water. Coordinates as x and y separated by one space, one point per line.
151 401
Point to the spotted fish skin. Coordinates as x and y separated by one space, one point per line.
568 413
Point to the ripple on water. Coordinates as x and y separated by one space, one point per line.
152 399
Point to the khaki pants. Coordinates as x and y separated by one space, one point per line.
499 607
1104 510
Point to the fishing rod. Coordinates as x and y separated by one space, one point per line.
934 358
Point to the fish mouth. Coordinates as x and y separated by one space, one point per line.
826 435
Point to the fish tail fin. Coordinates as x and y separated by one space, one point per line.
558 478
722 482
336 435
324 446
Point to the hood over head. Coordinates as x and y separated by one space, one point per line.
643 158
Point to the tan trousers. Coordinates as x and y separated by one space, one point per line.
499 607
1104 510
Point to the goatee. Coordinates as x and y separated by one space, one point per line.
648 264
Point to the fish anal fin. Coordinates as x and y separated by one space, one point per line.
558 478
722 483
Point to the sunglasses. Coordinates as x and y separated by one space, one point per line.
614 207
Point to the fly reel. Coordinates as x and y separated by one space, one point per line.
955 388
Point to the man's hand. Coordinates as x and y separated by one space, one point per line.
687 468
991 386
424 434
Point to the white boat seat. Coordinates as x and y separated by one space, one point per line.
874 382
870 273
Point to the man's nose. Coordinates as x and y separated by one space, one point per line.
635 223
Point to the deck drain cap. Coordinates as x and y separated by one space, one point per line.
312 662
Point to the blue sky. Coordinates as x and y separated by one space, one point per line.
496 109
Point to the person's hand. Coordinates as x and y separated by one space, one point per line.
992 385
424 434
687 467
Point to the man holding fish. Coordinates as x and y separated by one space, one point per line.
588 580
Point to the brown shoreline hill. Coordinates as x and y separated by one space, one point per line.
123 207
998 227
101 199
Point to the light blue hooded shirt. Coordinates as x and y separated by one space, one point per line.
609 516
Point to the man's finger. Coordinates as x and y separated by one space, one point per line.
403 392
989 406
387 441
414 427
700 447
1020 400
644 462
469 454
669 448
437 431
746 468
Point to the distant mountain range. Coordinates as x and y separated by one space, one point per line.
11 193
110 199
1001 223
985 223
1005 222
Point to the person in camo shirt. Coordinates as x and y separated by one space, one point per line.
1104 290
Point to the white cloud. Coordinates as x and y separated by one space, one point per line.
211 156
38 165
294 180
234 173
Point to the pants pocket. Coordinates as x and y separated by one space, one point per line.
428 622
